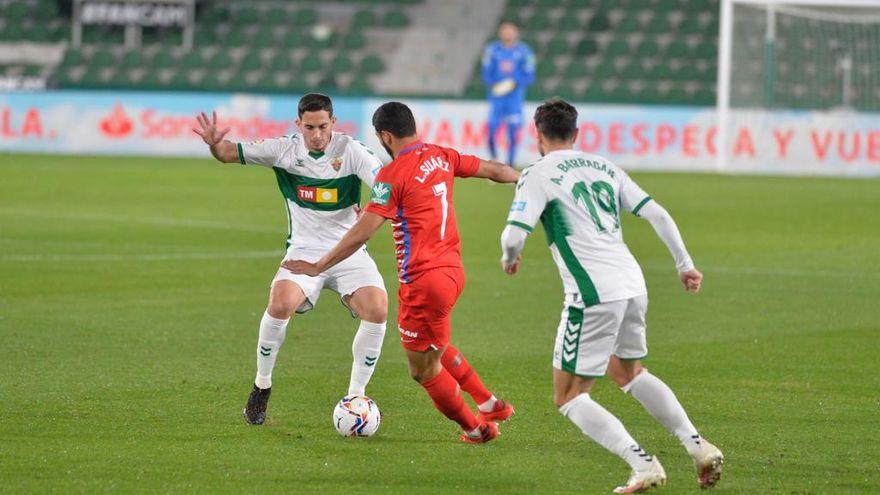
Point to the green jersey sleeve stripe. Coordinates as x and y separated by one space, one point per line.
240 154
640 205
520 225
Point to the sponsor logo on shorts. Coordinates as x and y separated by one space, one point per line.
407 333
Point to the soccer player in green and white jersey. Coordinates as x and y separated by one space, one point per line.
578 198
319 173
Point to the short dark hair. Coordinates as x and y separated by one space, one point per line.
315 102
556 119
396 118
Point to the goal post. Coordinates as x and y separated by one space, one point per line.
798 87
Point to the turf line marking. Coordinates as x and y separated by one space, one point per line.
161 221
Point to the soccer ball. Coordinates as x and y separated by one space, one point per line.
356 416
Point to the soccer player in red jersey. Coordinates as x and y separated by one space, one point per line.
414 191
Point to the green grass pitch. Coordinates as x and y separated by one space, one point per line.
131 290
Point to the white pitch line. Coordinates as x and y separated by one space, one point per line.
163 221
141 257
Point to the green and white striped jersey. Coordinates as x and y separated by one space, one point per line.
578 198
320 190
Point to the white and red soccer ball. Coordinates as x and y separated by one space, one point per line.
356 416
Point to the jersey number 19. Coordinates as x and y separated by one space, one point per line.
601 194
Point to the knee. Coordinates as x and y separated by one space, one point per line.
625 372
375 313
280 308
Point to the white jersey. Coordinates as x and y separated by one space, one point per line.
578 197
321 190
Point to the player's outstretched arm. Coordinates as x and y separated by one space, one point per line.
359 233
497 172
223 150
668 232
513 240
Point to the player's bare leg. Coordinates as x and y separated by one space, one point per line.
572 396
370 304
425 367
284 298
490 408
661 402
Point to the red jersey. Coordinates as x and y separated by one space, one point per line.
415 192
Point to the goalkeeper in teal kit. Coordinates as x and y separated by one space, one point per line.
508 69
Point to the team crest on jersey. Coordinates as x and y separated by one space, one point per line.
381 193
257 142
300 162
336 163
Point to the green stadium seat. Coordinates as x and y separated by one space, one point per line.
360 86
212 13
220 60
587 47
628 24
13 32
545 4
593 93
708 51
163 58
570 23
150 80
648 94
73 57
364 18
620 94
704 97
251 62
395 19
354 40
557 46
294 39
545 68
617 48
305 17
647 49
598 23
516 4
689 26
101 59
247 15
687 72
633 71
577 69
277 15
133 59
180 80
659 24
265 38
605 70
204 36
32 70
318 43
677 49
676 96
121 79
538 22
192 59
660 71
281 63
237 37
311 63
341 64
372 64
16 12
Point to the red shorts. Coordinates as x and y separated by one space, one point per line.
425 308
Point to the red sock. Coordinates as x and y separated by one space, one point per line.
443 390
464 374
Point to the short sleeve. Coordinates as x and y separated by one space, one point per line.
384 196
266 152
528 202
632 197
365 163
464 165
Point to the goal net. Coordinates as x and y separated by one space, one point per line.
799 86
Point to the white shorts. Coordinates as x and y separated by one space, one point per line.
587 338
356 271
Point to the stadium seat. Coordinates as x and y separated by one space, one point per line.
587 47
305 17
577 69
354 40
220 60
372 64
570 23
281 63
395 19
647 49
247 15
341 64
251 62
192 59
277 15
364 18
265 38
538 22
598 23
617 48
310 63
557 46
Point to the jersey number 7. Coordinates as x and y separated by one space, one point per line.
440 190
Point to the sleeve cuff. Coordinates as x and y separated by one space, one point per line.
520 225
240 154
640 205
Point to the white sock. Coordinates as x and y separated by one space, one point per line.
660 401
365 351
605 429
272 333
487 406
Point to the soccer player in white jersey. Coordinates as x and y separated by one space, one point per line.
319 173
578 198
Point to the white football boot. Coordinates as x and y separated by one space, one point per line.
644 479
708 463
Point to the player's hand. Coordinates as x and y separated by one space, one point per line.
358 211
208 129
300 267
692 279
511 268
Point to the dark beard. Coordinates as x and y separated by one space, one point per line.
387 150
